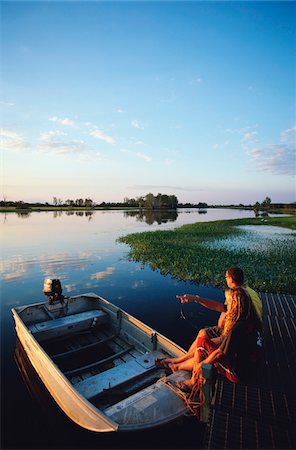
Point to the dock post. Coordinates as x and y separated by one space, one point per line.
206 392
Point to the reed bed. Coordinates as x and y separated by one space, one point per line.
201 252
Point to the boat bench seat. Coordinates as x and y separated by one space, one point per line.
68 324
112 378
152 406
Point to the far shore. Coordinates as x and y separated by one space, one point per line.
13 209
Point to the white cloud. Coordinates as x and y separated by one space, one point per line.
247 129
135 141
249 135
138 284
54 141
11 140
196 81
143 156
120 111
49 136
7 104
136 124
70 287
169 162
149 187
13 269
103 274
253 152
277 159
67 122
98 134
288 134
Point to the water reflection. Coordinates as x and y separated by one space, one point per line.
83 252
29 376
23 215
261 214
88 214
149 216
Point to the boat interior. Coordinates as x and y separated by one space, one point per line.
97 347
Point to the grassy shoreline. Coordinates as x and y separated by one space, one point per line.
186 254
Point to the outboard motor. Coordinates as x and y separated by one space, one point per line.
53 290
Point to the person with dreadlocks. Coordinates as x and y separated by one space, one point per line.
234 279
239 350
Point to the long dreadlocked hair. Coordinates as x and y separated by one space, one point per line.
238 307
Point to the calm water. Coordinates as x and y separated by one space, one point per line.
81 250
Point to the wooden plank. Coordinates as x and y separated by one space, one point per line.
265 308
280 303
273 305
117 375
291 304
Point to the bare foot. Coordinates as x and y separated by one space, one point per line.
163 363
174 367
185 385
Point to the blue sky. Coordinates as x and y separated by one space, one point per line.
109 100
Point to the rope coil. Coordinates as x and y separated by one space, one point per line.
193 400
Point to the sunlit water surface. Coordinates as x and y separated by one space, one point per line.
81 250
261 238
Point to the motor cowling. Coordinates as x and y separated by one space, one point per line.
52 288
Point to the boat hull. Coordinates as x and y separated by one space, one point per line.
153 405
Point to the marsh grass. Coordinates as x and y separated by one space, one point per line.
198 253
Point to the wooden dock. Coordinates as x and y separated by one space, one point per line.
262 414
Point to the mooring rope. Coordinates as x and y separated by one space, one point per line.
194 400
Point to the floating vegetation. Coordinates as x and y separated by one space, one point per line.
201 252
260 239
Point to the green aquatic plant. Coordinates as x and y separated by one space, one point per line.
198 253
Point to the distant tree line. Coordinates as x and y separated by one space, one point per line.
200 205
265 205
148 202
86 203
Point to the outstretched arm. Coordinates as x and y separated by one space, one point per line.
210 304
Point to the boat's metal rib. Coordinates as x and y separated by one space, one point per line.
50 315
98 363
82 348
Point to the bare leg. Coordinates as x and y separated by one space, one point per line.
196 359
188 355
185 365
181 359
